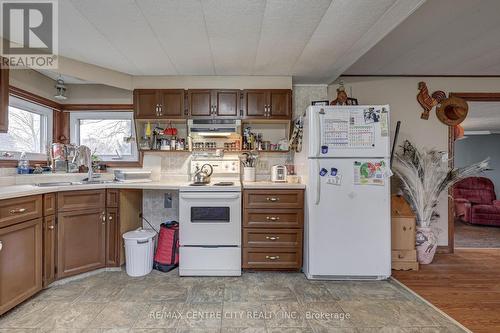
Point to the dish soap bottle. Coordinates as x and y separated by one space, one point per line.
23 166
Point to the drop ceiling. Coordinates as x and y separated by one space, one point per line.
483 116
313 41
442 37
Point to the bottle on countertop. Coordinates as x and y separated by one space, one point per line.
23 166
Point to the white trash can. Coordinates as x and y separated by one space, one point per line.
139 251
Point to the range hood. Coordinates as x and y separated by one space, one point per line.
214 127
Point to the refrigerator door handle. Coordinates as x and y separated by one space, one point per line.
318 131
318 184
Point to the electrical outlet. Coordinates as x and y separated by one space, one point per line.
167 202
263 165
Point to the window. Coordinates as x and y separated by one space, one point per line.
30 130
109 135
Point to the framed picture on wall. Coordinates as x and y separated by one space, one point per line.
320 103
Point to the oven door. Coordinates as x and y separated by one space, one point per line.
210 219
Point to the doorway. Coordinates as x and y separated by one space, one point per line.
474 212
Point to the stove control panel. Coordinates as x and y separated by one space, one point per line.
219 166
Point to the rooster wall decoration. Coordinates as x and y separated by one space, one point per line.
426 100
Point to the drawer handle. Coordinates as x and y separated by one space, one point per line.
272 218
272 199
18 211
400 256
273 257
273 238
51 227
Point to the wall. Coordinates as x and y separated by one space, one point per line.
32 81
400 93
475 148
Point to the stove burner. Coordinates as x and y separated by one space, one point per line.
224 184
198 184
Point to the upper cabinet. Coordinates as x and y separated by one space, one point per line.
268 103
213 103
159 103
4 99
220 103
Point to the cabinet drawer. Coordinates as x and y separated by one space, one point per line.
273 199
408 255
403 233
272 238
77 200
272 258
273 218
49 204
20 209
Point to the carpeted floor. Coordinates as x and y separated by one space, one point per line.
252 303
476 236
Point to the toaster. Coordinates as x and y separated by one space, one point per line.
278 173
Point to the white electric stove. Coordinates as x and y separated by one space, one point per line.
210 222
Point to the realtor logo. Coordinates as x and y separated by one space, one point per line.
29 33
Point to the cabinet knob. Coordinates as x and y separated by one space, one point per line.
51 227
18 210
273 257
273 238
272 199
110 217
1 245
272 218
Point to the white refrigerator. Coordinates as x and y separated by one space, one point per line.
344 163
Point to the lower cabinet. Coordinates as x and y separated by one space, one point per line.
273 229
112 237
20 262
49 249
81 241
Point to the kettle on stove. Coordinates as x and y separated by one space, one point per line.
202 176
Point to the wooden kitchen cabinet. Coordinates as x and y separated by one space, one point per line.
20 262
112 237
4 99
268 103
79 200
112 198
256 103
227 103
21 209
81 241
49 249
273 229
159 103
220 103
200 103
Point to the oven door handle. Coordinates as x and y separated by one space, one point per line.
210 196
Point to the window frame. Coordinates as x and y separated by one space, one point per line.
74 131
47 117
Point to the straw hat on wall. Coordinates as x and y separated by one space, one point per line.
452 111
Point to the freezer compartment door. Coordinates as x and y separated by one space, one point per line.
349 131
348 225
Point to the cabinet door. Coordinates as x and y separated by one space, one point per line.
49 249
256 103
81 242
280 104
171 103
79 200
20 263
146 103
200 102
112 198
112 240
4 99
227 103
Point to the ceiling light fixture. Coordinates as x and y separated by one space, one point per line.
60 89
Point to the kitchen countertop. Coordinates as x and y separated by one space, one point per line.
14 191
272 185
